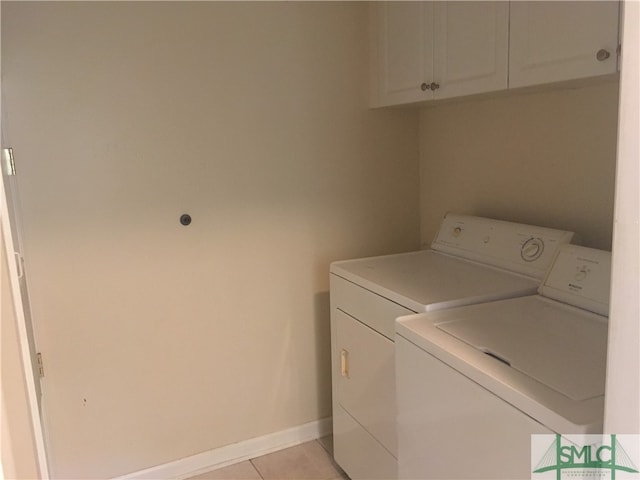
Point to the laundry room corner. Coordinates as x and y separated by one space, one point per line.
161 338
394 238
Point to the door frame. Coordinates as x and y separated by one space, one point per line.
36 426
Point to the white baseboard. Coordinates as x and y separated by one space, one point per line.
237 452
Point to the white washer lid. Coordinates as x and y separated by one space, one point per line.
558 345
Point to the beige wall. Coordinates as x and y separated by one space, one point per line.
545 158
161 341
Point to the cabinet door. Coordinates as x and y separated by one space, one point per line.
471 47
555 41
405 51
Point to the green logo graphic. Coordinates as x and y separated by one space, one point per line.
600 457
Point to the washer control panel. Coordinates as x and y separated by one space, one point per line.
581 277
517 247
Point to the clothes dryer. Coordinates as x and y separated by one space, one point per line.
472 260
475 382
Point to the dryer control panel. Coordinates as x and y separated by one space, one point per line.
517 247
581 277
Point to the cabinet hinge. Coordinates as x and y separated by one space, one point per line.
40 364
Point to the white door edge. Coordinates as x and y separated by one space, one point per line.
27 367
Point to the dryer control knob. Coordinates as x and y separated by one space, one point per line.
532 249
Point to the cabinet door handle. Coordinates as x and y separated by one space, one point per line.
425 87
434 86
602 55
344 363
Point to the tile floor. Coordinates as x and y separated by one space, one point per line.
308 461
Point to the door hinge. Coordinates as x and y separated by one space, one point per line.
40 364
9 161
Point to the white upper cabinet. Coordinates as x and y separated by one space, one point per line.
431 50
556 41
405 51
471 47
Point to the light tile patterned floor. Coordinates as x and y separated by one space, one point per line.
308 461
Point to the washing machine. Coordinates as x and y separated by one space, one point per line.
474 383
471 260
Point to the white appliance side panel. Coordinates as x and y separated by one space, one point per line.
357 452
449 427
366 380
